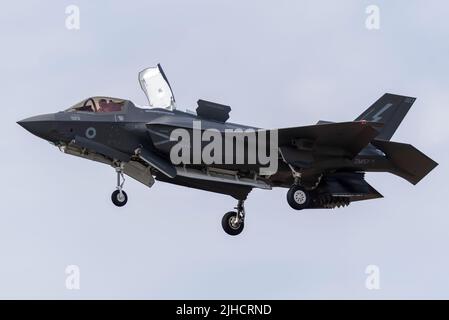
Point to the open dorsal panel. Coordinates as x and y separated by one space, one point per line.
213 111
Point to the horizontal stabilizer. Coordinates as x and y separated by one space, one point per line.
407 161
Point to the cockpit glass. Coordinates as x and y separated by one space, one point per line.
99 105
109 105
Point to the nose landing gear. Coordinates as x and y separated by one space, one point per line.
119 197
234 221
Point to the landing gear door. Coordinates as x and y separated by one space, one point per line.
157 88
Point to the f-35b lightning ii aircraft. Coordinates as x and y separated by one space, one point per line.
323 165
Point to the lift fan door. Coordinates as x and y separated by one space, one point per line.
157 88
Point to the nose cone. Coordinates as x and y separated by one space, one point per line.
41 126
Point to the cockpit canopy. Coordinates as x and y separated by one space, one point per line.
154 84
156 87
99 104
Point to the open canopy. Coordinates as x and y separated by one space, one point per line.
157 88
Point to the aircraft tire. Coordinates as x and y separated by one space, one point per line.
298 198
117 200
229 227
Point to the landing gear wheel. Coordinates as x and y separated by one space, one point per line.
119 198
298 198
232 223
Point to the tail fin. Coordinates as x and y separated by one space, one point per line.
406 161
389 110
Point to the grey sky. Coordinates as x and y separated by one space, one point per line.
278 64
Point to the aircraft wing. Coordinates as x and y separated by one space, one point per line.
334 139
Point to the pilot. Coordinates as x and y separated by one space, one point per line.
109 106
103 105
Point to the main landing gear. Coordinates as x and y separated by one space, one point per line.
298 197
119 197
234 221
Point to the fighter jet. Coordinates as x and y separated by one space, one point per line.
322 165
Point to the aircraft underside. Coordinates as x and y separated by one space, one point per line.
336 189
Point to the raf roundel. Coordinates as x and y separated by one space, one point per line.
91 133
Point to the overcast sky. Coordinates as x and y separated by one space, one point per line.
278 64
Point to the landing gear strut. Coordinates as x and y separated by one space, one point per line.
119 197
234 221
297 196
